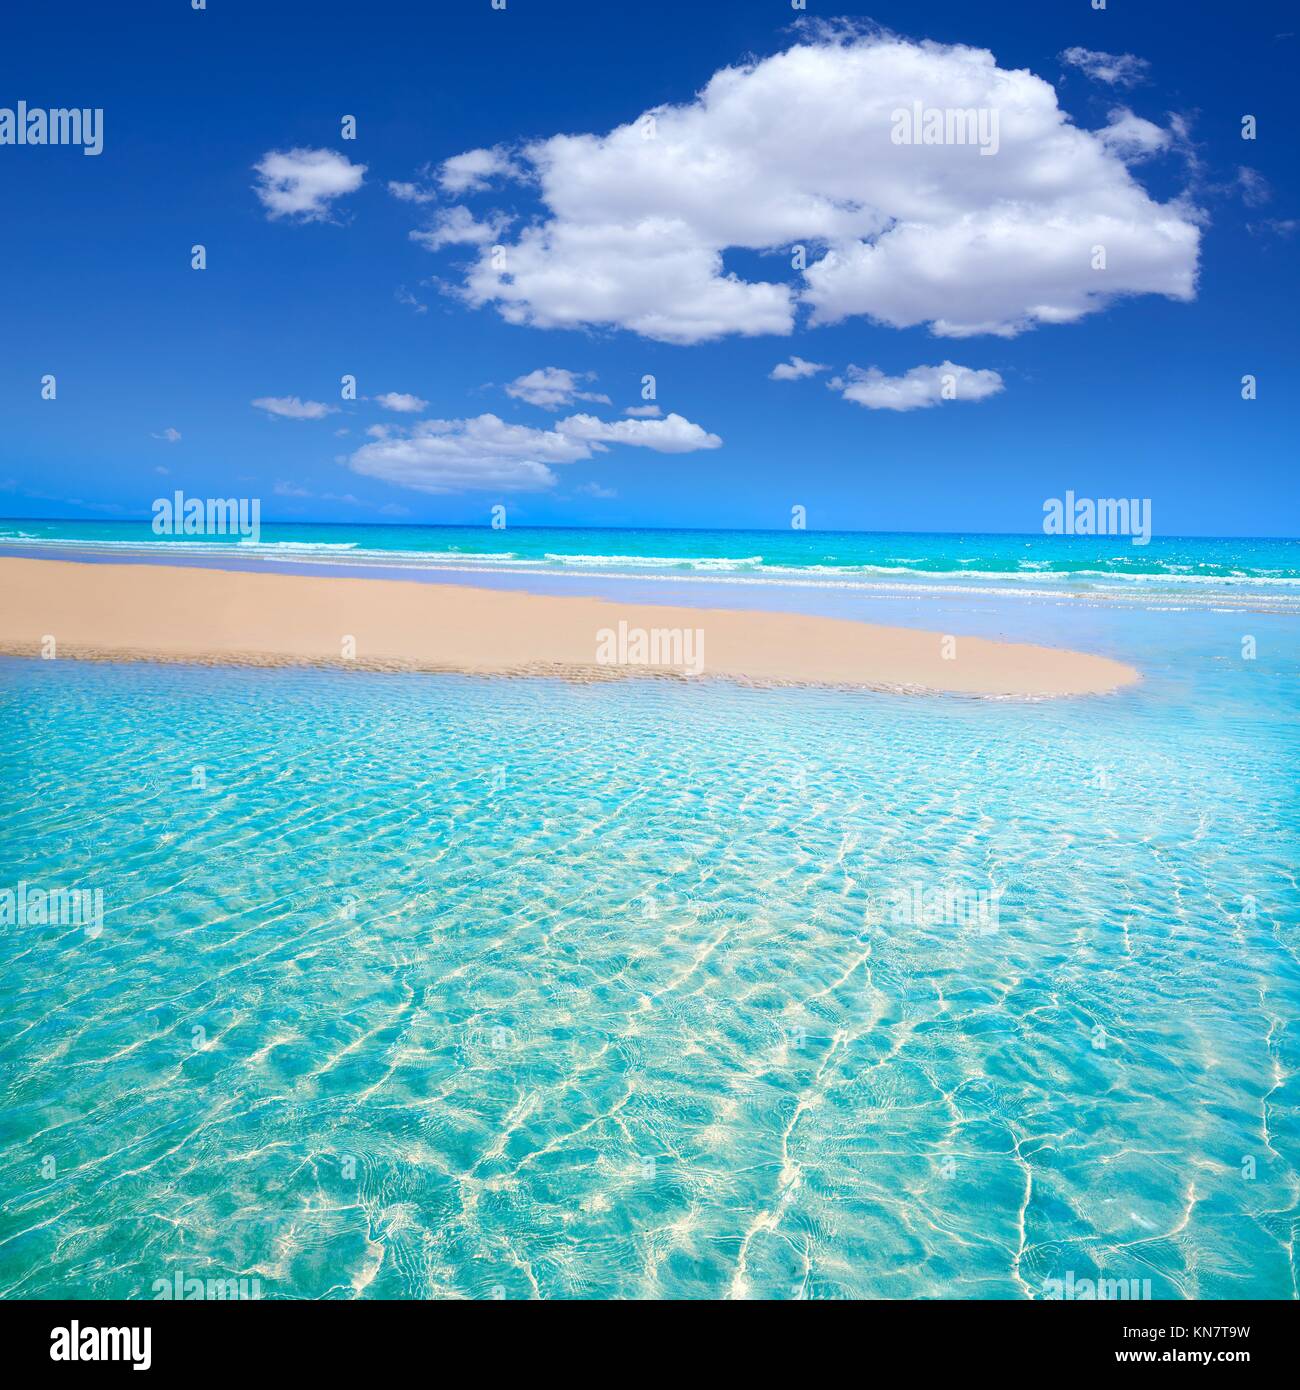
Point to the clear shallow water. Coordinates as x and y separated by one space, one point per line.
1261 574
517 988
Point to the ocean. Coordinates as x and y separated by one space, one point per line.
429 986
1102 569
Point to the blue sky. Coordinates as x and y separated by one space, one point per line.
1138 397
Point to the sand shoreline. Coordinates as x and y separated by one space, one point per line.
227 617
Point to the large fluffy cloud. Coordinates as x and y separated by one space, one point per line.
486 453
796 150
303 183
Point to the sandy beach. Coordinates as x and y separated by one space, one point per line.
168 613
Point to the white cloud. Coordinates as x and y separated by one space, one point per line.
916 389
283 489
303 183
458 227
552 387
1253 186
655 277
172 436
486 453
291 408
400 401
646 412
795 369
1278 226
410 192
796 149
596 490
1131 138
442 456
1115 69
475 169
404 296
672 435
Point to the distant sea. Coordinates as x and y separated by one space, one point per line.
1264 574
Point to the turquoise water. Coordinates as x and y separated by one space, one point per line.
1196 571
448 987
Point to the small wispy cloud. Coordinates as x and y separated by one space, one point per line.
169 435
411 192
404 296
294 490
1254 187
1274 226
1114 69
475 169
458 226
795 370
291 408
400 401
552 387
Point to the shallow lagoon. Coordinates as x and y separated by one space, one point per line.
433 986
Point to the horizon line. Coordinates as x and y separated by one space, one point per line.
737 530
